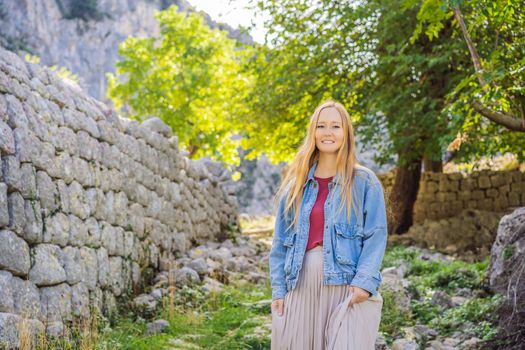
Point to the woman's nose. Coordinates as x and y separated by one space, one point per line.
328 131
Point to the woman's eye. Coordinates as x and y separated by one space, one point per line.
320 126
336 126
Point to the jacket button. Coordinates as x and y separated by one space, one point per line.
328 251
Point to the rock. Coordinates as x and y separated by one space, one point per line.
228 244
70 260
457 300
399 287
155 124
471 344
423 332
233 265
399 271
211 285
507 253
157 326
14 253
26 298
197 252
199 265
47 269
9 330
186 276
221 255
57 229
6 292
442 299
404 344
464 292
55 328
256 277
437 345
145 305
380 343
80 300
4 211
157 294
56 302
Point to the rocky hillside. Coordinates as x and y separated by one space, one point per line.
83 35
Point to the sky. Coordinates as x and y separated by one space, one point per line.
233 12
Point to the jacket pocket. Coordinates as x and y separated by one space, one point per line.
289 244
348 243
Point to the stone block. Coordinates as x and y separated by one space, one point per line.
14 253
26 298
57 229
47 269
6 292
56 303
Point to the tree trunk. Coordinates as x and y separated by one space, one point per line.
435 166
403 196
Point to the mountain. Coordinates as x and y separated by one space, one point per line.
83 35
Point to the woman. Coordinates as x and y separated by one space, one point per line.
329 241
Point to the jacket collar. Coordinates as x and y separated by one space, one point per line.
311 172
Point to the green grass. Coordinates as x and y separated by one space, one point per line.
224 320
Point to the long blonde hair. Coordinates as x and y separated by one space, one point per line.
308 153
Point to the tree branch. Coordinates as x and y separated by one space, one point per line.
509 121
506 120
472 49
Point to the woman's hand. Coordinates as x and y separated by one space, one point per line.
358 295
278 306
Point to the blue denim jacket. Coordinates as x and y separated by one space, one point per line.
352 249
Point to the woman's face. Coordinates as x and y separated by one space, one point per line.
329 130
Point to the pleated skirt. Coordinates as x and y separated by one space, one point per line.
320 317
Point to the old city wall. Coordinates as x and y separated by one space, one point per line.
444 195
90 201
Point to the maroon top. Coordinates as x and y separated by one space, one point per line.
315 236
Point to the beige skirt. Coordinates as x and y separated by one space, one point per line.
318 317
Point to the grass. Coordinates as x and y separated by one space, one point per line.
222 320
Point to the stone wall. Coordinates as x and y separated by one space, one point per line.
443 195
89 201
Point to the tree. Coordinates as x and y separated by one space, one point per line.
359 53
493 88
190 76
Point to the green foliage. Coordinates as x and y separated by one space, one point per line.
476 316
401 67
191 78
497 28
356 53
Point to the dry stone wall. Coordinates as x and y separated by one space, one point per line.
444 195
90 201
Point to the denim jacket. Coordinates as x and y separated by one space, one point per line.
352 249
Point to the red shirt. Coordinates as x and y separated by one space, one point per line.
315 236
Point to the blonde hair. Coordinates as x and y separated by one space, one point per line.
308 153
